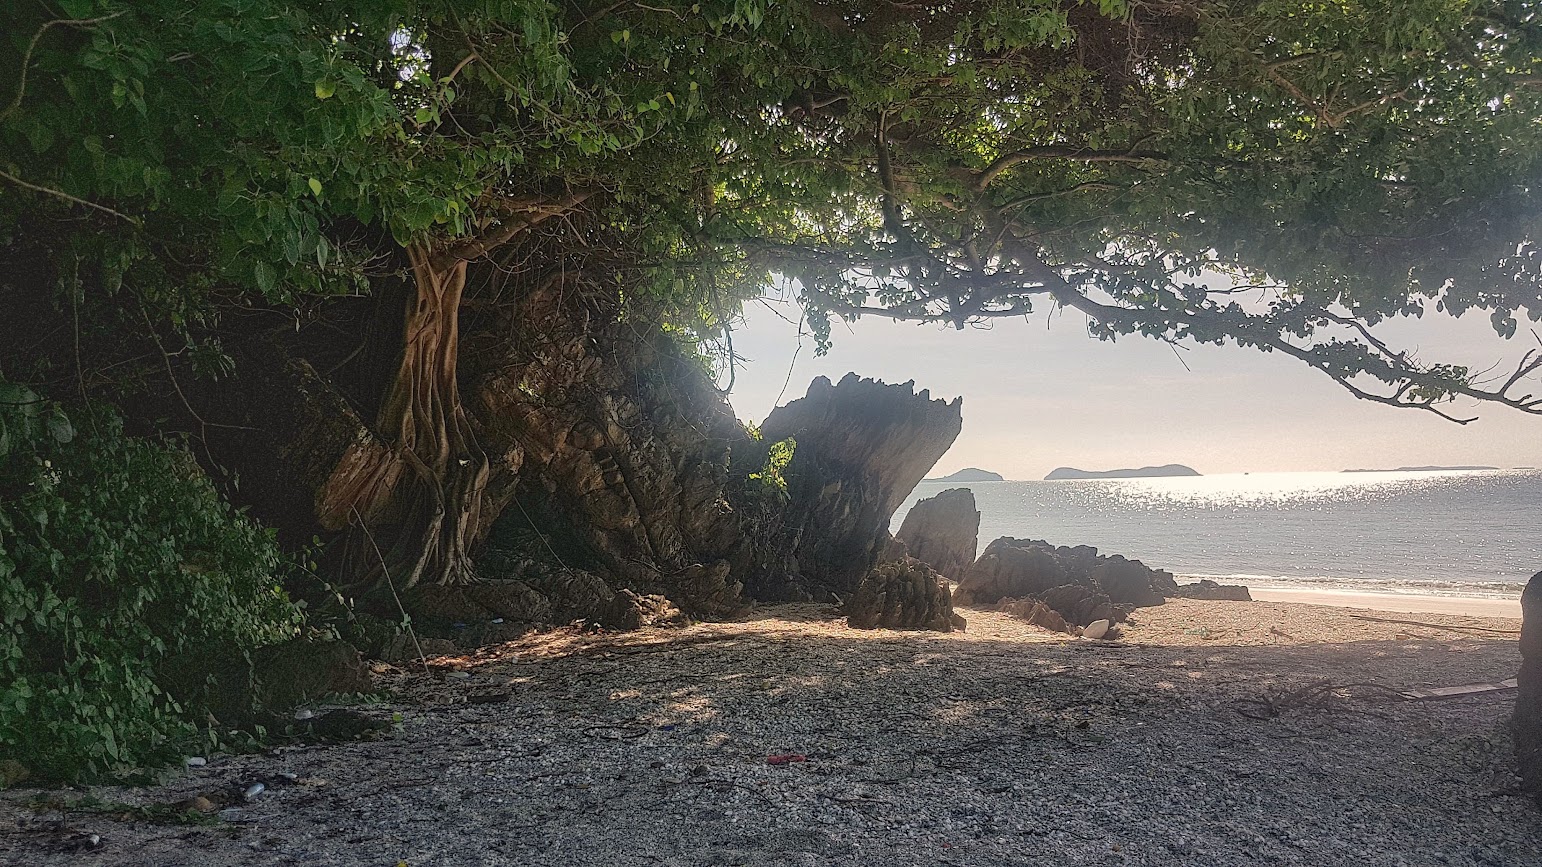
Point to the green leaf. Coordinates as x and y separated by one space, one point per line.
59 426
423 115
325 88
315 187
267 278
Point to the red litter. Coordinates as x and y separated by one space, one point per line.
785 759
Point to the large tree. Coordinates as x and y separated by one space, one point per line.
1279 174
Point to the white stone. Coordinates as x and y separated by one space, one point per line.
1096 629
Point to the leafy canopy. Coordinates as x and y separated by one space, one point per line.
957 161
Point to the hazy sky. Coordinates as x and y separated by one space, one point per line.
1040 394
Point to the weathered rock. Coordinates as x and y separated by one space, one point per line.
1129 581
901 594
1036 613
943 531
1526 725
1207 589
1029 567
1010 568
1078 605
861 447
1096 629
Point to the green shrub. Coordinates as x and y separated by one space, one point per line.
117 558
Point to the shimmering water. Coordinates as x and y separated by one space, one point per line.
1454 532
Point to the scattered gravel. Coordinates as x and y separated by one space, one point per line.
1002 745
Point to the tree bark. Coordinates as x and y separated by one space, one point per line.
415 494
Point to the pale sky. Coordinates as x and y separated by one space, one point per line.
1040 394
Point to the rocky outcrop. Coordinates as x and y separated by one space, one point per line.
1526 725
1036 613
902 594
1027 567
1079 605
1207 589
861 447
1078 582
943 531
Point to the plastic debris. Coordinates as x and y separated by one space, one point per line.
496 620
304 713
253 791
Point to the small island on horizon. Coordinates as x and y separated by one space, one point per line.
969 474
1418 469
1060 473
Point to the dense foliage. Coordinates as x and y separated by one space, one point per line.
950 162
117 558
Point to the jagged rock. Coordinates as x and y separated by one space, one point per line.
1030 567
1526 725
1009 569
902 594
1078 605
861 447
1036 613
1207 589
1130 582
943 531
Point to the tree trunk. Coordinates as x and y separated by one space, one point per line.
416 495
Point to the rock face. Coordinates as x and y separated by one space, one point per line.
1036 613
943 531
1527 724
902 594
1207 589
1029 567
861 447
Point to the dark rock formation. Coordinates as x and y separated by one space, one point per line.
1079 605
943 531
1029 567
1526 725
1207 589
861 448
1036 613
902 594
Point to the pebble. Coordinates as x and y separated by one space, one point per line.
197 761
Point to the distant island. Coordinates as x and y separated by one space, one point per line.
1142 473
1420 469
971 474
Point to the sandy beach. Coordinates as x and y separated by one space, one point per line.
1482 606
1211 733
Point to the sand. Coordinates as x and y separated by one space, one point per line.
1211 733
1405 602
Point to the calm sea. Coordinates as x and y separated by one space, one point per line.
1477 533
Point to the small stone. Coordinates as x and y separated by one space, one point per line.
198 804
253 791
304 713
196 761
1096 629
460 675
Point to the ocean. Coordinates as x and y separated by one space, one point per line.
1475 533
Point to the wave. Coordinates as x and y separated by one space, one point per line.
1434 587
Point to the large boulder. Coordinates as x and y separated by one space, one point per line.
1036 613
1210 590
860 448
902 594
1079 605
1010 568
943 531
1013 568
1527 722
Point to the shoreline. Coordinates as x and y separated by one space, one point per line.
1403 603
